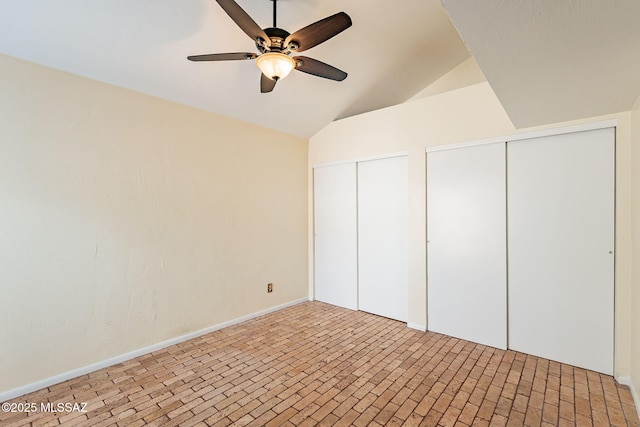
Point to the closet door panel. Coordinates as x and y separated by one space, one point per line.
382 237
335 229
466 234
561 242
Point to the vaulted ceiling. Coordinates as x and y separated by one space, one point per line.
547 60
550 61
392 51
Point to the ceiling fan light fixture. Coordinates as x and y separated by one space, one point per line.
275 65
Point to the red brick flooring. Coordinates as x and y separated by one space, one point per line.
316 364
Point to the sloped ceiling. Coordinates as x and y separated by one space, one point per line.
392 52
550 61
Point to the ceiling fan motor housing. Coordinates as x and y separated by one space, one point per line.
277 36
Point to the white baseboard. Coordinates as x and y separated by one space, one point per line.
47 382
626 380
634 393
416 326
623 379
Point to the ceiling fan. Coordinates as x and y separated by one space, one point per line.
276 45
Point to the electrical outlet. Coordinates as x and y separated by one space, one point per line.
269 287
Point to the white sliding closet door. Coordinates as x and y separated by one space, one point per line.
336 252
466 234
561 242
382 237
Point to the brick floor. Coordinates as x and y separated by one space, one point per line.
316 364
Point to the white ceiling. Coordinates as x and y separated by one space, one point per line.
550 61
392 52
547 60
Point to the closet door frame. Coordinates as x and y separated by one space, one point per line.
313 258
613 123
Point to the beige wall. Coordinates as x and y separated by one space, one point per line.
126 220
635 328
458 115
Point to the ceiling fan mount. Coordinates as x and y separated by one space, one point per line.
276 45
277 36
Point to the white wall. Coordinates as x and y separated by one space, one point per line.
126 220
466 114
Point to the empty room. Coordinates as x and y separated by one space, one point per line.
305 212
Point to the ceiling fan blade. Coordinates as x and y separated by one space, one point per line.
266 84
318 32
236 56
243 20
318 68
